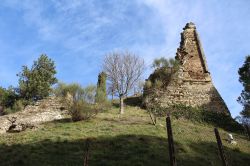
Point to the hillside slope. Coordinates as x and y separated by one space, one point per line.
115 140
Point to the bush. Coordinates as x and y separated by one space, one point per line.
148 84
8 111
18 106
76 91
78 101
198 115
158 84
8 97
80 110
160 78
104 106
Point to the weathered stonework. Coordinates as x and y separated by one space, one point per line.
191 85
46 110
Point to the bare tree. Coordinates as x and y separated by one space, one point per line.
123 70
111 90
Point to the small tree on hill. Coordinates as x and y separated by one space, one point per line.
101 94
35 83
8 97
244 99
123 71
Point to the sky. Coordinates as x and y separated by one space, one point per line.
77 34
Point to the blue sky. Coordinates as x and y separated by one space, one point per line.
77 34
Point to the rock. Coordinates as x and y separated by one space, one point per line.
233 143
231 139
46 110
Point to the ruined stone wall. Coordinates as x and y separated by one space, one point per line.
45 110
191 85
191 55
196 94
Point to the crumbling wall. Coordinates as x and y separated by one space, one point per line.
46 110
191 85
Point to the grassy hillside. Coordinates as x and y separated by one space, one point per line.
115 140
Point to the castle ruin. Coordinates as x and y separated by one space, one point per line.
191 84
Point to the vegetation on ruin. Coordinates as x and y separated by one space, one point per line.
164 70
196 115
164 62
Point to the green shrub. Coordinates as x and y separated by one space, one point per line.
217 119
158 84
148 84
8 97
18 106
80 110
79 101
8 111
105 106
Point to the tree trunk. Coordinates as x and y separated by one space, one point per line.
121 105
153 118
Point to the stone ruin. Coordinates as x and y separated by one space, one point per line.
191 84
49 109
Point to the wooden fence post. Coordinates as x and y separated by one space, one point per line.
170 142
219 143
86 155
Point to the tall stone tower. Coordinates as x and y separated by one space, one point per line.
191 56
191 85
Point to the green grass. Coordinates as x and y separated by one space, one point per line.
117 140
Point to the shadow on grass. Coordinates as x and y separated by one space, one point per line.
123 150
116 104
66 120
128 121
207 154
133 101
